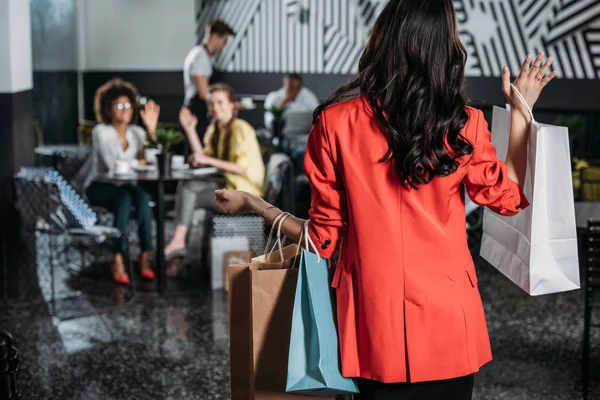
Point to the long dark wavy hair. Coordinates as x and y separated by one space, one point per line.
412 75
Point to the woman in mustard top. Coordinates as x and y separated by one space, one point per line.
230 145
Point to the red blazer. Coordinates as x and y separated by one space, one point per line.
408 305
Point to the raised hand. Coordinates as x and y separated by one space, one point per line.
149 115
187 120
530 82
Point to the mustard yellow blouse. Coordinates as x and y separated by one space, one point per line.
244 151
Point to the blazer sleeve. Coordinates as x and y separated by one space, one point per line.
487 178
328 212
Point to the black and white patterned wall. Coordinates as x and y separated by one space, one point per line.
328 36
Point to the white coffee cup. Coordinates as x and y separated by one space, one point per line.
177 162
247 102
122 167
150 155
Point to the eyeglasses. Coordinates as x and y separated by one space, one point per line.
122 106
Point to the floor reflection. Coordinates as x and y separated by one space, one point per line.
105 342
171 347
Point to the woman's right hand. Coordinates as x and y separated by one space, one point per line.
187 120
530 82
233 202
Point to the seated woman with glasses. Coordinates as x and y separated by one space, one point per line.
117 140
230 145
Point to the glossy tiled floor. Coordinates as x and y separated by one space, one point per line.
175 346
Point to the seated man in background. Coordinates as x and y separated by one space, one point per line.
293 95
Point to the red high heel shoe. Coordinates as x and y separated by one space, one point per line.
148 275
119 279
122 280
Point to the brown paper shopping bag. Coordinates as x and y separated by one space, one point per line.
261 302
235 258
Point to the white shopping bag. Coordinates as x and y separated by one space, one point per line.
537 248
218 247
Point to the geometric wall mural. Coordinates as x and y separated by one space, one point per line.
328 36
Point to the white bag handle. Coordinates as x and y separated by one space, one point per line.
308 241
273 229
277 223
522 99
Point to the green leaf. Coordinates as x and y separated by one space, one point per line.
167 139
278 112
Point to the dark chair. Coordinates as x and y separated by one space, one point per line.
9 368
591 260
43 211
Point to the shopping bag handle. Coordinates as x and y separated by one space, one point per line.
278 241
522 100
308 242
273 227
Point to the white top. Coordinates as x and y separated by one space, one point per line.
197 62
306 101
108 149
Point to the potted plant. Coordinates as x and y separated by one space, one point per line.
278 124
165 141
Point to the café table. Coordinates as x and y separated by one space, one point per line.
158 181
63 150
67 159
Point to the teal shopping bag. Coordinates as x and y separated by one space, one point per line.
313 363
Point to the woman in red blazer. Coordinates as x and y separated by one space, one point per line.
387 170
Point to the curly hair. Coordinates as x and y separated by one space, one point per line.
108 93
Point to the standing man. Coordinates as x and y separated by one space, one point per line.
198 69
293 95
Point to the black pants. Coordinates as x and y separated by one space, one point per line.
120 200
199 108
450 389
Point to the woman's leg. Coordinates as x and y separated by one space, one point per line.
190 195
143 215
118 200
450 389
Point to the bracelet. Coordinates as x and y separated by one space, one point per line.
266 209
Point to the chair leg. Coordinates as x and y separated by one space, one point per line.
586 341
207 232
52 288
292 191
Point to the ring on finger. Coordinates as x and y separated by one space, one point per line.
536 66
